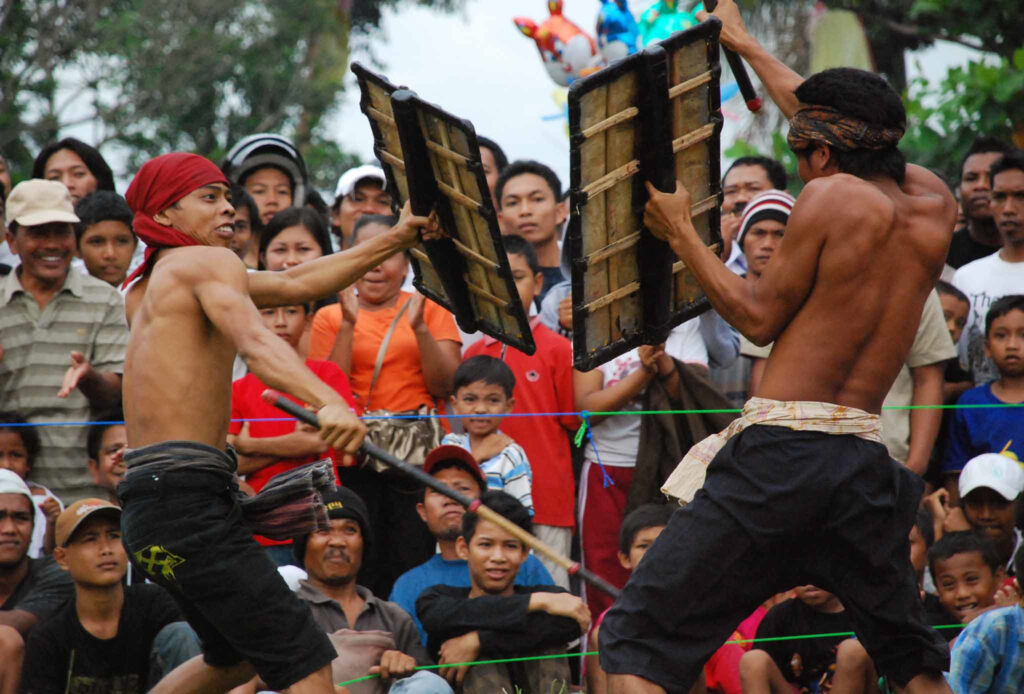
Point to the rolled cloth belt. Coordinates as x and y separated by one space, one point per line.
825 124
288 506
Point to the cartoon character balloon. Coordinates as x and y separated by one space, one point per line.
567 51
664 18
617 31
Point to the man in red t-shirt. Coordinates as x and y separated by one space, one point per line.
267 448
543 384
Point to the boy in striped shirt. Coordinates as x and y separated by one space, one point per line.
483 389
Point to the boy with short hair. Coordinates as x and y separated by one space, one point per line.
543 383
989 655
983 426
106 242
967 575
530 205
105 445
494 618
955 309
482 386
103 639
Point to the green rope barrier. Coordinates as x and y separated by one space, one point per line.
521 659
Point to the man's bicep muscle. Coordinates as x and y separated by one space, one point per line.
222 292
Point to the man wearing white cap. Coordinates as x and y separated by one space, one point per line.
360 190
62 333
990 491
30 589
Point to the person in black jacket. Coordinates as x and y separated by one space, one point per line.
494 618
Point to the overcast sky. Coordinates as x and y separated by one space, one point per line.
477 65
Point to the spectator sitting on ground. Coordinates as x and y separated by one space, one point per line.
104 236
360 191
974 430
80 167
778 666
990 498
45 310
494 618
543 384
248 227
108 637
988 657
266 447
638 531
105 445
483 386
30 589
997 275
19 449
458 469
346 611
967 575
978 236
400 351
530 205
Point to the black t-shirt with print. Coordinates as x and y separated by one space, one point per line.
62 657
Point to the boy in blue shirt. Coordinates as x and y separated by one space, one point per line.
977 430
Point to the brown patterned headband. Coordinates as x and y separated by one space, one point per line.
825 124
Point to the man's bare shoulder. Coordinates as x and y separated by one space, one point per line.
193 264
842 201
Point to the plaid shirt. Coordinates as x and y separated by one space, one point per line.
988 656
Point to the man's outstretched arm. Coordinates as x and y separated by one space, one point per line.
332 273
758 310
778 79
220 284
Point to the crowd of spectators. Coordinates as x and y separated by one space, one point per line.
403 577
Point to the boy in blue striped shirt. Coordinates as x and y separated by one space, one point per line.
483 389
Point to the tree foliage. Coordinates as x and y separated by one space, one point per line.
155 76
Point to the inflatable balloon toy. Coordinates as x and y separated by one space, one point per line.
617 32
567 51
664 18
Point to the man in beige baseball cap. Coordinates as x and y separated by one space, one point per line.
79 314
76 514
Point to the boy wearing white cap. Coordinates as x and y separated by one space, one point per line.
360 190
990 491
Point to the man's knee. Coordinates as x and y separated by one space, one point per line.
757 664
172 646
851 655
11 642
12 652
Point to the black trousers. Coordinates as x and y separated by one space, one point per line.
779 508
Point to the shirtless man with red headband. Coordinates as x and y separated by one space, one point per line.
799 489
191 308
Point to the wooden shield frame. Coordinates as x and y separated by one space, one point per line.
432 159
652 116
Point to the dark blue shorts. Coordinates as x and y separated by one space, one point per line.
779 508
183 529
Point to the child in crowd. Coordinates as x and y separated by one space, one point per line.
19 448
494 618
483 386
809 664
104 236
967 574
639 530
922 537
975 430
988 657
105 444
955 308
247 227
543 383
267 448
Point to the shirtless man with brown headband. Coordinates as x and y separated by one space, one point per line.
800 490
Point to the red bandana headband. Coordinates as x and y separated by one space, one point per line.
160 183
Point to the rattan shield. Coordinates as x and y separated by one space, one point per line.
432 159
652 116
